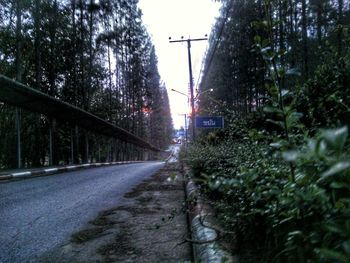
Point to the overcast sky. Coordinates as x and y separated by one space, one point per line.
176 18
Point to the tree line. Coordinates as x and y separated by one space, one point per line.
96 55
306 35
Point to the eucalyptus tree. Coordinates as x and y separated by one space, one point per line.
157 105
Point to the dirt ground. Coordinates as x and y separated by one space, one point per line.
149 227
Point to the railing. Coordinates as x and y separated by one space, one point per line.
24 97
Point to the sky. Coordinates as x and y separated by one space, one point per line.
177 18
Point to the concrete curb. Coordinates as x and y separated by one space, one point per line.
201 217
56 170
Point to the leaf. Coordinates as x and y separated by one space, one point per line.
282 52
311 144
333 228
266 42
277 145
334 170
332 254
338 185
267 53
297 115
257 39
339 205
266 49
265 23
281 72
336 138
278 123
290 156
346 246
293 72
296 233
286 220
317 147
293 119
285 92
270 109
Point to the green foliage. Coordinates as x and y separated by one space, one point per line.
282 185
331 80
301 221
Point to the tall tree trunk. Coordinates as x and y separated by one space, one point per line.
52 70
74 53
319 21
281 33
291 38
91 31
19 62
340 26
37 44
81 57
19 73
52 76
110 83
35 154
281 24
304 40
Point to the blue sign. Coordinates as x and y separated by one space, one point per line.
210 122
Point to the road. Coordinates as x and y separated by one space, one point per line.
40 213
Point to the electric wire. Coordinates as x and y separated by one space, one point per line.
221 30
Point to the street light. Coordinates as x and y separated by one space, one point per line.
180 92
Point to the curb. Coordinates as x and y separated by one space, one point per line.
201 217
56 170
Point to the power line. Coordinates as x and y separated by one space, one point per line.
189 41
222 26
201 70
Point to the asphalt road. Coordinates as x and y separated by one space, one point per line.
40 213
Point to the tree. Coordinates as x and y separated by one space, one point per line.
301 32
94 55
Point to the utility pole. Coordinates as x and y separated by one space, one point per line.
189 40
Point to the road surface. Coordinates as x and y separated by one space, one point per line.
40 213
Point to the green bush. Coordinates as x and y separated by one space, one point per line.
276 218
282 185
324 97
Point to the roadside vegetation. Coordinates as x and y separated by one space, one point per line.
278 174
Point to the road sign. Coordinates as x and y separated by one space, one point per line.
210 122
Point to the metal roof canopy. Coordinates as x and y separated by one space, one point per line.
20 95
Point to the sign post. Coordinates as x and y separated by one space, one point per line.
210 122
